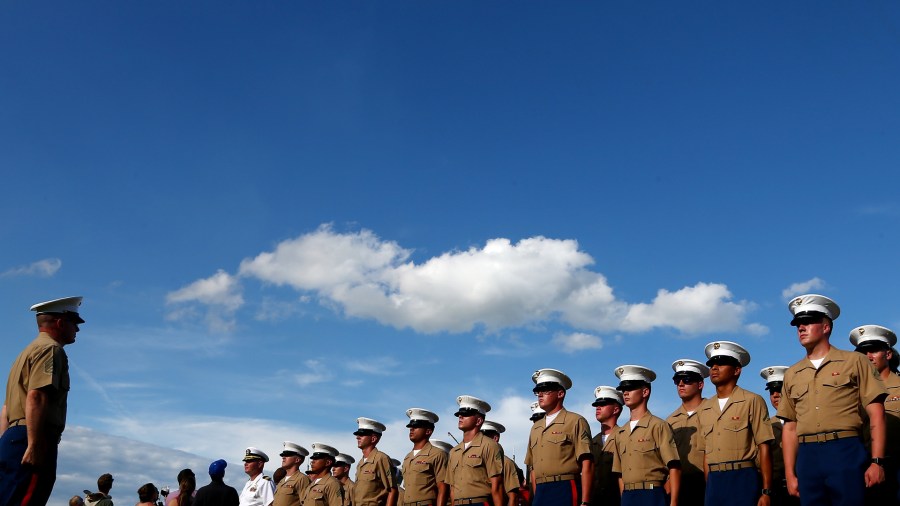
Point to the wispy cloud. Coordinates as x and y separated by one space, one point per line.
42 268
577 341
499 285
380 366
803 287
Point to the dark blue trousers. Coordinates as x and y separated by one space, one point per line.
557 493
741 487
24 485
832 473
654 497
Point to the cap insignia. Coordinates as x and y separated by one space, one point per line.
621 370
862 331
716 346
771 371
680 363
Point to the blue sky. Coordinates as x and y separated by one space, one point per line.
286 216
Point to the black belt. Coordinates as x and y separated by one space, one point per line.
17 422
731 466
471 500
427 502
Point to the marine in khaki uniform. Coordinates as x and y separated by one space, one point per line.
425 467
559 446
824 398
324 489
341 471
736 433
774 376
510 470
608 405
877 344
685 423
34 413
645 457
475 468
376 484
259 489
289 490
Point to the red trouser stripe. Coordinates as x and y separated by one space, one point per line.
575 499
32 484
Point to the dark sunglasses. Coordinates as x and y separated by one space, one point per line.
686 381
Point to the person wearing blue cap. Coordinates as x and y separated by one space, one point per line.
826 398
217 493
33 416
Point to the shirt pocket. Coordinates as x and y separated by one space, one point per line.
289 489
474 461
418 474
839 391
735 434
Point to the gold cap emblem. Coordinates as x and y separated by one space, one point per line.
680 363
862 331
716 346
771 371
621 370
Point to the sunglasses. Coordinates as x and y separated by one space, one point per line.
686 381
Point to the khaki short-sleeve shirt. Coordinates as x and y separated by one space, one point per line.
349 487
326 491
834 396
423 472
291 489
777 452
605 489
734 433
42 365
556 448
643 454
510 478
892 415
686 428
374 480
470 470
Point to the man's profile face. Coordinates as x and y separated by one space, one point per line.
635 396
812 330
775 397
253 467
467 421
289 461
548 400
879 358
419 434
339 471
688 387
605 411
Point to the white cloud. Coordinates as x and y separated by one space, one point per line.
803 287
221 293
42 268
756 329
704 307
577 341
314 372
499 285
380 366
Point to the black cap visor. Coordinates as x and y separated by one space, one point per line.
807 317
629 385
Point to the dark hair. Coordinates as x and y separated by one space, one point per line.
104 482
187 482
147 492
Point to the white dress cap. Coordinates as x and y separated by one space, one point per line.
469 403
441 445
812 304
345 459
688 365
728 349
773 373
320 451
635 373
368 426
252 453
536 409
419 417
294 448
604 393
872 334
546 377
64 305
494 426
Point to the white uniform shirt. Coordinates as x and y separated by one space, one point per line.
258 492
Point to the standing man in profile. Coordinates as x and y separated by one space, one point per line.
291 489
375 481
475 468
823 398
425 467
510 470
646 457
608 405
259 489
559 446
685 423
341 471
736 433
877 344
34 413
774 376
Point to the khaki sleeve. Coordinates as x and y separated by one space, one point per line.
385 472
871 388
493 458
46 368
582 438
510 479
759 420
440 466
786 409
617 460
528 450
334 494
666 438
